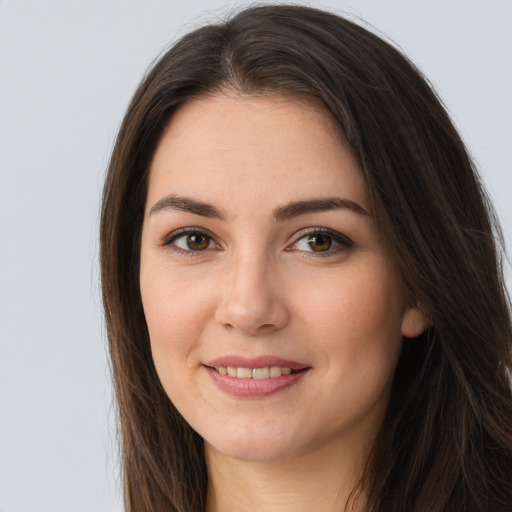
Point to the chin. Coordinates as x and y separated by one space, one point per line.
251 451
256 445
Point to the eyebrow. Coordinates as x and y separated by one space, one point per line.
296 208
281 214
186 204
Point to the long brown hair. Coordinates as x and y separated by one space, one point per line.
446 441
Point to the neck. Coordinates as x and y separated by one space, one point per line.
325 480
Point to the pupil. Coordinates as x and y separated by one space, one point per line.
319 242
197 242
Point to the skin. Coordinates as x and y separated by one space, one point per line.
259 288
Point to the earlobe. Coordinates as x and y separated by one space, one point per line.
414 322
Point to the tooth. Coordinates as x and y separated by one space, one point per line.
276 371
254 373
261 373
244 373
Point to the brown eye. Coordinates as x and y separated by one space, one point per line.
319 242
193 241
197 242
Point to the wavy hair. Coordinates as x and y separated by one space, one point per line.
446 441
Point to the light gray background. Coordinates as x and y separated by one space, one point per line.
67 71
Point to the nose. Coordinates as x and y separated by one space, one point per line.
251 300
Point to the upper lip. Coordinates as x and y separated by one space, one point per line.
254 362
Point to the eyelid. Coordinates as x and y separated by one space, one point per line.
178 233
340 238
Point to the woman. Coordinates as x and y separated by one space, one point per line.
304 301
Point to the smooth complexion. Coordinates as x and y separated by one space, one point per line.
259 250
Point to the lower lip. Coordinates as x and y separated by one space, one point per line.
254 388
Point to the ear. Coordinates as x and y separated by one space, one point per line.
414 322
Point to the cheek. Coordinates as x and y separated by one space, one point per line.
355 326
176 312
357 301
356 318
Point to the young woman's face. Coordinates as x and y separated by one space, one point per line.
260 259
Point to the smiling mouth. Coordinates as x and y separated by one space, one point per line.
252 380
266 372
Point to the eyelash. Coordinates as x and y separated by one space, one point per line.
342 242
170 240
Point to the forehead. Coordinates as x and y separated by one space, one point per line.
245 148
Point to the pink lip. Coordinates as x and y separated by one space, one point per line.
254 388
